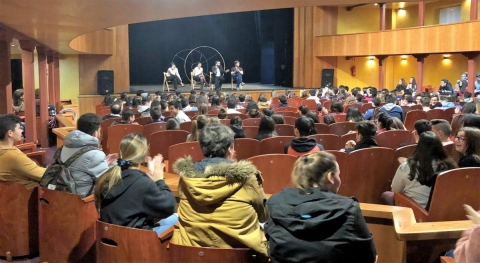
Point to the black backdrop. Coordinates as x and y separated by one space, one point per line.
240 36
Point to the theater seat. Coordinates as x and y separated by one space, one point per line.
19 220
187 254
447 260
276 170
311 104
251 122
130 245
116 133
151 128
284 130
250 131
162 140
412 116
246 148
393 139
328 141
38 157
182 150
341 128
66 227
274 144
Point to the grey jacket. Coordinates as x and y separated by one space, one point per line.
92 163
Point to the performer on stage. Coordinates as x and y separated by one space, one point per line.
198 75
218 71
174 76
237 74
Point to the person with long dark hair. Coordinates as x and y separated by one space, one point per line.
302 145
467 143
412 85
416 175
354 115
266 128
402 85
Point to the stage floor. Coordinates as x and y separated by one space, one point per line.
226 87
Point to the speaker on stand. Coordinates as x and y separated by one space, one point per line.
327 77
105 82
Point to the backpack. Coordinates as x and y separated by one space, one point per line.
58 177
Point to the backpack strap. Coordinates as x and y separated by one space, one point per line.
79 153
57 156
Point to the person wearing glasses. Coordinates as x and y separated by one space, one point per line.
467 143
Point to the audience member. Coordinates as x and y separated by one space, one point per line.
268 112
467 97
126 196
336 108
469 107
156 115
471 120
283 101
144 109
314 116
394 124
369 114
366 131
350 100
222 114
197 125
359 98
172 125
442 130
266 128
262 101
329 119
232 186
254 113
15 165
467 143
115 110
435 102
312 204
18 101
236 126
416 175
278 119
203 109
380 121
466 250
215 105
445 87
232 105
176 111
447 102
354 115
128 117
303 145
392 109
303 110
313 96
420 127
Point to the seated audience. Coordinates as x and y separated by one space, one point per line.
144 109
18 101
90 165
262 101
215 104
268 112
445 87
329 119
172 125
350 100
467 97
420 127
303 110
254 113
359 98
197 125
283 101
314 116
466 250
336 108
137 102
15 165
312 204
394 124
416 175
392 109
469 107
313 96
380 121
126 196
203 109
236 126
251 105
266 128
369 114
222 114
176 111
447 102
192 103
354 115
115 110
302 145
156 115
467 143
442 130
435 102
128 117
471 120
278 119
232 106
366 131
206 217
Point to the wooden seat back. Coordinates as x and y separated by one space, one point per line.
246 148
162 140
151 128
342 117
342 160
274 144
104 112
405 151
116 134
191 113
286 113
251 122
311 104
19 220
29 147
104 131
290 120
284 130
225 122
347 137
39 157
182 150
295 102
321 128
416 107
66 227
250 131
275 102
327 104
276 170
341 128
213 112
392 139
187 254
129 245
435 114
448 114
283 109
186 126
412 116
371 168
328 141
242 116
365 107
358 106
143 120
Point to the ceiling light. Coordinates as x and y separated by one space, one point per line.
13 45
401 12
371 57
446 56
376 4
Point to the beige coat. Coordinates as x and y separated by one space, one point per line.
221 207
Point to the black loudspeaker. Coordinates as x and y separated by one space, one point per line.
105 82
327 77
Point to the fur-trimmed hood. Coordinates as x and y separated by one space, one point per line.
219 180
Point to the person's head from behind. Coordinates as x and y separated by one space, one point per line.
156 113
467 142
137 101
394 123
282 98
241 97
303 110
318 169
471 120
10 131
128 116
215 100
216 140
175 107
278 119
312 92
329 119
197 125
267 112
172 125
354 115
133 152
359 97
89 123
304 127
336 107
421 126
469 108
381 120
409 99
442 129
267 125
376 102
262 98
203 109
391 99
429 149
222 114
231 103
313 115
365 129
254 113
467 95
236 121
116 108
184 103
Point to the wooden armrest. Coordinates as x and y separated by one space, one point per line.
421 215
38 157
27 147
88 199
167 234
447 260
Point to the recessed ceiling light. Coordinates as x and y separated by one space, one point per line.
13 45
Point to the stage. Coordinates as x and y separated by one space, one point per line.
226 87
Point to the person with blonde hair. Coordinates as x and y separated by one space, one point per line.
203 109
126 196
197 126
310 222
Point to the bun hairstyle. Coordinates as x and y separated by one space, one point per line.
197 125
312 170
222 114
254 113
305 126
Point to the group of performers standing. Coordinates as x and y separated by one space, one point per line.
217 74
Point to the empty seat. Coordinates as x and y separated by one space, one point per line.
342 160
284 130
290 120
342 117
250 131
38 157
116 133
321 128
162 140
182 150
311 104
274 144
413 116
328 141
392 139
246 148
225 122
341 128
251 122
151 128
276 170
104 131
188 254
186 126
66 227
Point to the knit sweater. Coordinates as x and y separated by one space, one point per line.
17 167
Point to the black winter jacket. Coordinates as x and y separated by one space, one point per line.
317 227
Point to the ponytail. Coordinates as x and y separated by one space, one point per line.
193 133
105 183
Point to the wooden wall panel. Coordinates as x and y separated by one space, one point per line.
97 42
325 19
118 62
449 38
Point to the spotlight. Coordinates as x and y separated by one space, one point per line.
401 12
446 56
